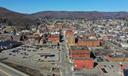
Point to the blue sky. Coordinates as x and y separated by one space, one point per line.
32 6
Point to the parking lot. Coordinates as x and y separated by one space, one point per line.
40 57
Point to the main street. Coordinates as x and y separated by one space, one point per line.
66 66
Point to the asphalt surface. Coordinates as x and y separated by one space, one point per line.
8 71
64 61
3 73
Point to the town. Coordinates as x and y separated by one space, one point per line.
66 47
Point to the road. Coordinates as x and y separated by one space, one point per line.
111 44
64 61
9 71
66 65
3 73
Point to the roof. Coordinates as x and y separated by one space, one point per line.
81 58
69 32
100 52
79 48
54 36
79 64
85 39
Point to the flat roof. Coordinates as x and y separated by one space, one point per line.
99 52
81 58
79 48
85 39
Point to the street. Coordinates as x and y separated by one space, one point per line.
64 61
8 71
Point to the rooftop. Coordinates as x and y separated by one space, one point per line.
79 48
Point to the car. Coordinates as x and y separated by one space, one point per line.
10 54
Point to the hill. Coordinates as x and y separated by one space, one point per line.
12 18
85 15
24 21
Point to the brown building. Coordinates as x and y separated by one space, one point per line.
69 33
80 56
88 43
79 52
89 35
59 25
71 41
54 38
70 37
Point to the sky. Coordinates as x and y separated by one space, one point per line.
33 6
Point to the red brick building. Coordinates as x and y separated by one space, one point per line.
80 56
54 38
80 64
77 52
74 54
69 33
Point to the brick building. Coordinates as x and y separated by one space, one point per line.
88 43
70 37
80 56
54 38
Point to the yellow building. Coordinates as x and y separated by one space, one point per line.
71 41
